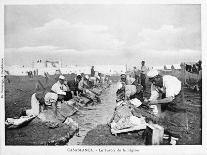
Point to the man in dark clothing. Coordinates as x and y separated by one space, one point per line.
143 75
92 71
136 74
73 85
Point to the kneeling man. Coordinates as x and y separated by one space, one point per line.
166 86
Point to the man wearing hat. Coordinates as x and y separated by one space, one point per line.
61 89
170 105
168 86
40 101
92 71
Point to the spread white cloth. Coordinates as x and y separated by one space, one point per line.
129 80
16 122
59 88
130 90
137 121
128 122
171 86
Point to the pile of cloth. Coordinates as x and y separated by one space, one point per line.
12 123
94 98
123 117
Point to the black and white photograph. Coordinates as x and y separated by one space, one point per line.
99 74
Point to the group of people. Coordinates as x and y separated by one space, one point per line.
62 91
31 74
164 88
165 101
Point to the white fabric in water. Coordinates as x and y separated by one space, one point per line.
154 109
137 121
154 93
130 90
119 85
136 102
171 85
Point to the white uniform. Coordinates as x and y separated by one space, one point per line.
59 88
35 104
171 86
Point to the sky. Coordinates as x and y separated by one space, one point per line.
100 34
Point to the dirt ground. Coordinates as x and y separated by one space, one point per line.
38 133
17 96
19 91
191 135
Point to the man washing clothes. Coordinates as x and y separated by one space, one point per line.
166 86
61 88
167 98
73 85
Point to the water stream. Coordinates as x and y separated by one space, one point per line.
100 114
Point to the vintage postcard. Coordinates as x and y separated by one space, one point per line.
103 77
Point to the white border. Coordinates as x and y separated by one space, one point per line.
182 149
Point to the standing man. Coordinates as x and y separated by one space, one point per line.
92 71
143 75
136 74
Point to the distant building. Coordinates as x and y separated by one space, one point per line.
167 67
47 64
176 67
51 64
158 67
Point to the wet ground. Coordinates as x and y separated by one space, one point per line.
100 114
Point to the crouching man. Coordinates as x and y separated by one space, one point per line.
166 97
39 102
166 86
73 85
61 87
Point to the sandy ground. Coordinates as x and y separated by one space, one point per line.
101 114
